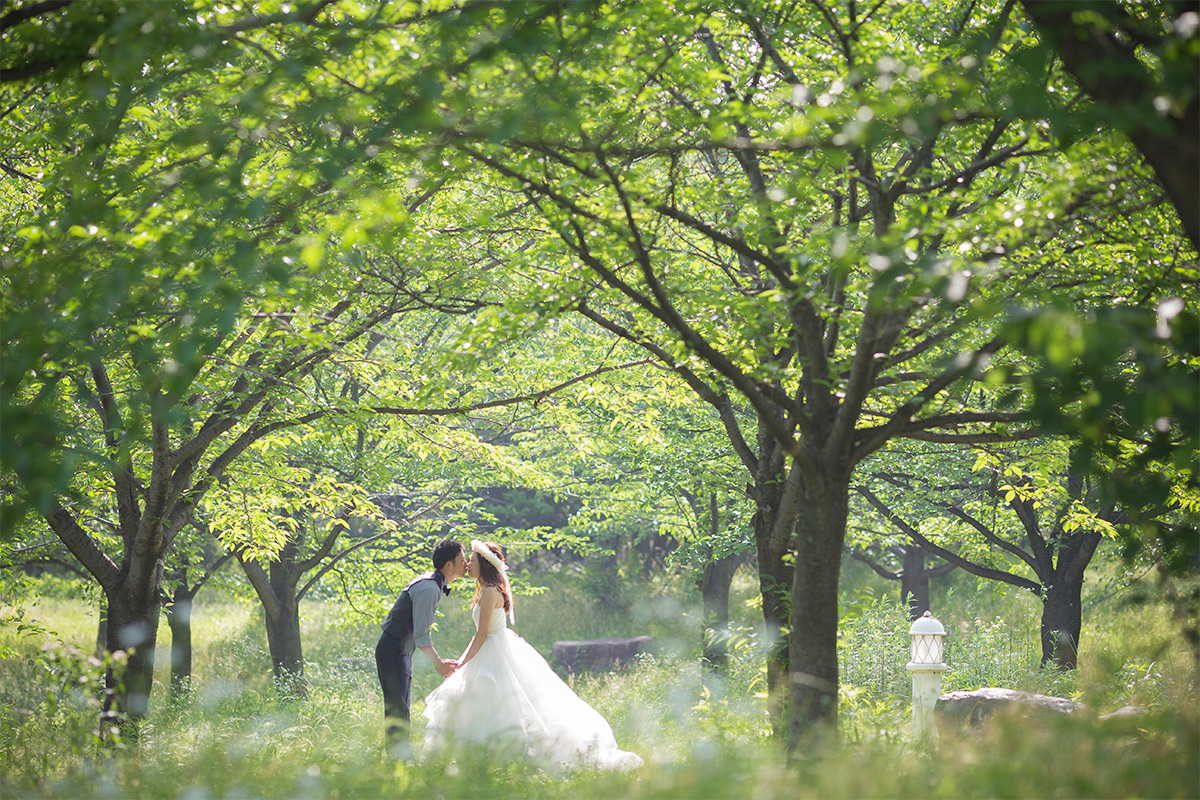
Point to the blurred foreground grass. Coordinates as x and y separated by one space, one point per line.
232 735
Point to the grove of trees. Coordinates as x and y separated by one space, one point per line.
284 283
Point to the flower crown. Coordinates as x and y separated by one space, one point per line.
486 553
493 559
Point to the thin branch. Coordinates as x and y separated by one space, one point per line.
54 562
336 529
972 438
211 571
363 543
1025 512
306 15
14 107
871 439
506 401
719 400
947 555
991 536
16 173
883 573
736 244
939 570
964 418
968 173
19 15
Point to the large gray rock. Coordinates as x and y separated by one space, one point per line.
1125 711
599 654
973 707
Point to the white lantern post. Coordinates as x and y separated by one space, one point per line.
926 668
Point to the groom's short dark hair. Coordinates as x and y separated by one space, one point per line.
446 551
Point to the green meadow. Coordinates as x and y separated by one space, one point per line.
232 734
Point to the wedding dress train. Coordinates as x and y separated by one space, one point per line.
508 698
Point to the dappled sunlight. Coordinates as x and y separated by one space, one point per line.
700 734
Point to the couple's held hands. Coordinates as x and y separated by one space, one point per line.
445 667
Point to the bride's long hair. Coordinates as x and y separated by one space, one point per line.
490 576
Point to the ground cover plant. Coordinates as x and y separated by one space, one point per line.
232 734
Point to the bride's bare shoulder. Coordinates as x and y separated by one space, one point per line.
491 594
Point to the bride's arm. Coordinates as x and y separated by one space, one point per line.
487 605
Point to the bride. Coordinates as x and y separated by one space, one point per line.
504 696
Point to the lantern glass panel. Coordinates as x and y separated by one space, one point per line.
927 648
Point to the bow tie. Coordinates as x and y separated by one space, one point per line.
446 591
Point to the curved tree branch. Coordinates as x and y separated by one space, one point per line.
991 536
83 547
879 569
947 555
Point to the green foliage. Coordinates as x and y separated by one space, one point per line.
23 626
153 223
873 642
59 691
233 735
1128 377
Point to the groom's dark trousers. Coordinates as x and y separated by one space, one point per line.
394 666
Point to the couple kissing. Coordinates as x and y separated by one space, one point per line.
500 694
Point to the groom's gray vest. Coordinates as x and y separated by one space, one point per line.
399 622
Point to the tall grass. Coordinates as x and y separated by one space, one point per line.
233 735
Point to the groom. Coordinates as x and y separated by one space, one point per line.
407 629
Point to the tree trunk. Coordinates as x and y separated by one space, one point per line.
1062 621
283 640
714 593
1062 609
1114 76
654 550
102 631
777 496
281 613
179 618
132 628
813 673
773 574
914 581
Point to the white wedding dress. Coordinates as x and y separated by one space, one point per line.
508 698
